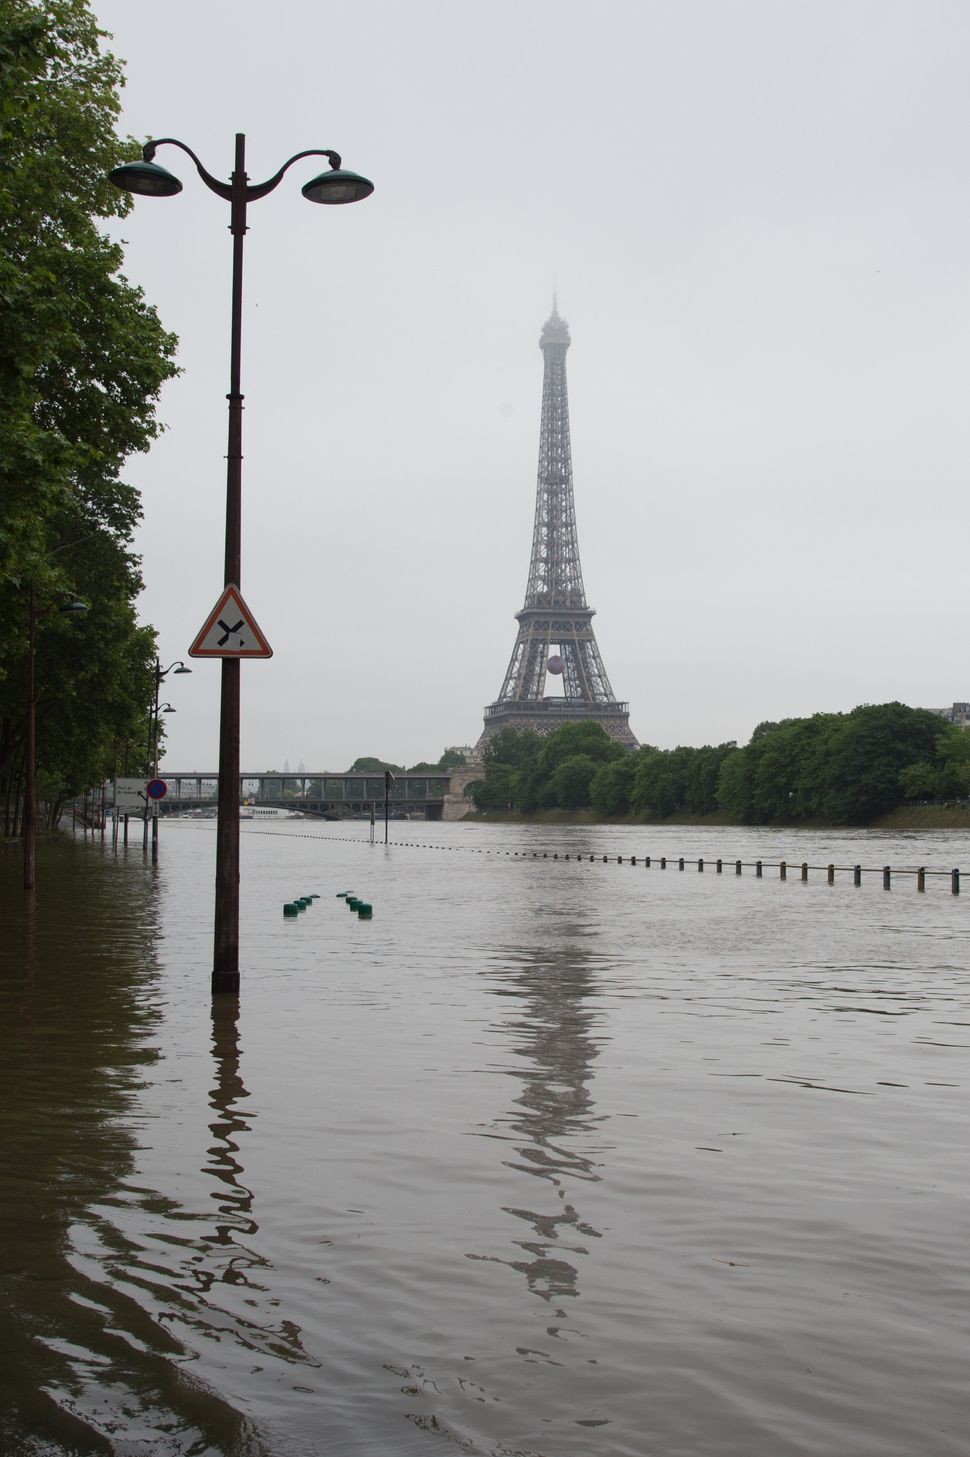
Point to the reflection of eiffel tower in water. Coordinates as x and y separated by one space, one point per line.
552 1117
555 634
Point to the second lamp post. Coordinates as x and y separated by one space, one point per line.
154 714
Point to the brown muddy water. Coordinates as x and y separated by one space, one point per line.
549 1159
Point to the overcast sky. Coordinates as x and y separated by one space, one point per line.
757 215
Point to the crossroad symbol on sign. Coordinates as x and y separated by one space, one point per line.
230 631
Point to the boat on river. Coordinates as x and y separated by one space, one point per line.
264 812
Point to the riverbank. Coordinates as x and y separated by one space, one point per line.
907 817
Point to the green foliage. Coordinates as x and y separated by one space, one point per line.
498 789
844 768
864 755
512 746
952 765
588 739
569 783
367 765
919 781
83 362
526 771
451 759
612 786
681 779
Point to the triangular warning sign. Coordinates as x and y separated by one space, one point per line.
230 631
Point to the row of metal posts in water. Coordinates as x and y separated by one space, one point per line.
782 867
95 820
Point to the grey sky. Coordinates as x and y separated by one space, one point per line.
758 218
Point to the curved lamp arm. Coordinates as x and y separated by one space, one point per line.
260 189
224 189
148 154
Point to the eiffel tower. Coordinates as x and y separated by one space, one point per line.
555 625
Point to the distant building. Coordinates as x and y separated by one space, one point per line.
958 713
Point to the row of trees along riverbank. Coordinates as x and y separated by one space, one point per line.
84 358
837 768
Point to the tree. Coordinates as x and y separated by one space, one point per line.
497 790
701 777
612 786
659 785
846 768
569 783
859 776
373 766
919 781
734 785
512 746
451 759
83 362
582 738
953 763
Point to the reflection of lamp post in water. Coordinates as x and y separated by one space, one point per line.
148 179
30 776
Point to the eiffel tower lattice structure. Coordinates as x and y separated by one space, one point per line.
555 638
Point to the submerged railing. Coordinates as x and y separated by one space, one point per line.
664 862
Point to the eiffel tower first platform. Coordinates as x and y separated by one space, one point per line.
555 637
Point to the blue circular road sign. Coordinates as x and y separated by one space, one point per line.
156 789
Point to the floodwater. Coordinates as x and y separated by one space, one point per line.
549 1159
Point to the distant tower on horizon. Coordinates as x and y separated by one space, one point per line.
555 636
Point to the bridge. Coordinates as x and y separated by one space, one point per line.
436 796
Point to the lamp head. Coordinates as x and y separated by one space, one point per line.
182 669
146 179
337 186
75 608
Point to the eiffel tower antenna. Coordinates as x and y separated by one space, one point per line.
555 624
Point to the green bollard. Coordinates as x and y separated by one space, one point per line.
364 911
289 909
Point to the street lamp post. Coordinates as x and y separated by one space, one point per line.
30 769
160 675
166 708
146 178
